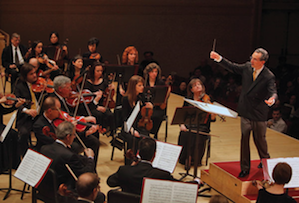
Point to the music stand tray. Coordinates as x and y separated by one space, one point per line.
158 93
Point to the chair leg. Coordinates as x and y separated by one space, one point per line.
166 128
208 150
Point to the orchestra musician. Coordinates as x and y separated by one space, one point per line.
152 74
62 86
5 147
130 177
133 95
99 86
130 56
57 52
92 53
26 112
74 70
13 57
196 91
61 155
42 62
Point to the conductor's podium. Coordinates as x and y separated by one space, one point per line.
223 177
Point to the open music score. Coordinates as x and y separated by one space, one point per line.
221 110
167 156
33 168
128 124
269 164
155 190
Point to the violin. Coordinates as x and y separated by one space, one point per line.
43 58
95 56
206 99
146 114
81 122
78 78
46 131
60 53
11 99
87 95
41 84
108 96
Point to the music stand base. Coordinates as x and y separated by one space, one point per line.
203 190
9 190
184 175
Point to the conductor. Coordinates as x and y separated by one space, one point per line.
258 93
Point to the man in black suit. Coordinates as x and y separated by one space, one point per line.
61 155
27 112
258 93
13 57
88 188
43 127
130 178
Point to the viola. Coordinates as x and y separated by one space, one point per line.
46 131
95 56
108 96
73 99
81 122
11 99
41 84
146 114
64 116
43 58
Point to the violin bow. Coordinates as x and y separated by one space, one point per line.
71 172
80 95
77 136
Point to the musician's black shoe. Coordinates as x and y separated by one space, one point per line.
242 174
260 165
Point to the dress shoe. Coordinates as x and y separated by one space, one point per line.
260 165
242 174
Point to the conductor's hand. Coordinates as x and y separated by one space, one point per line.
88 152
270 101
214 55
183 128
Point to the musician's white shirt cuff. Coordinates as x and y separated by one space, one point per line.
218 60
24 109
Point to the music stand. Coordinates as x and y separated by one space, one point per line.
158 93
124 72
189 116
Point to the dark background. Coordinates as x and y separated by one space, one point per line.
179 32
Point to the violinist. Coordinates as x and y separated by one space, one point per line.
57 52
45 66
26 112
152 74
92 53
74 70
99 86
132 96
62 86
196 91
43 127
12 137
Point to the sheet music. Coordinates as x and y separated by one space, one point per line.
293 162
211 108
128 124
8 127
167 156
155 190
32 168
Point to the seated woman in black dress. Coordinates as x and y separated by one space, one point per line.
99 86
134 94
152 75
281 174
196 91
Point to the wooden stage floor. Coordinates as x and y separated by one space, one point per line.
224 148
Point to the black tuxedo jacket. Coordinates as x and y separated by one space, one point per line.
130 178
22 91
61 156
38 126
254 93
7 55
